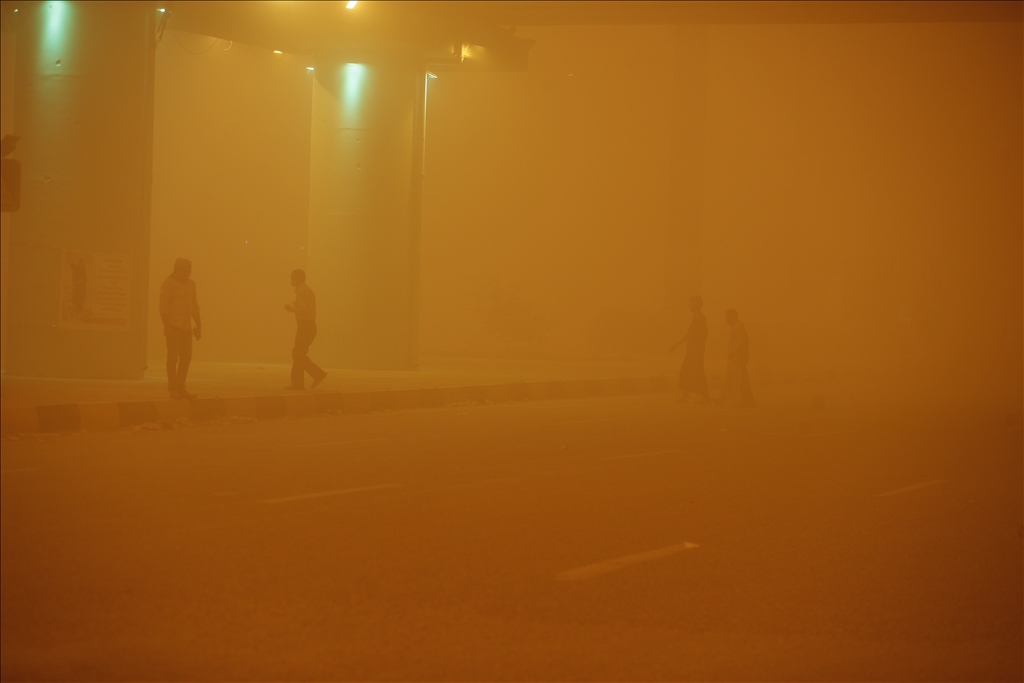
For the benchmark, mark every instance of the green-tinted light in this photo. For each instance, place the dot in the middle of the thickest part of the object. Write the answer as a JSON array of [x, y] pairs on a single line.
[[353, 81], [56, 23]]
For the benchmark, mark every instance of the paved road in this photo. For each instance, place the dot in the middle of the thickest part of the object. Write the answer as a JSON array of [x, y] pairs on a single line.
[[605, 539]]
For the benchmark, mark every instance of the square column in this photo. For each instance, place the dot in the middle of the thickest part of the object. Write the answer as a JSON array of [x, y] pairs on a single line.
[[366, 173], [79, 251]]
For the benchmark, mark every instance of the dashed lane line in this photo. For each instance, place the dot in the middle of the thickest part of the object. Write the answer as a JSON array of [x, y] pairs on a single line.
[[912, 487], [843, 431], [325, 494], [606, 566], [639, 455]]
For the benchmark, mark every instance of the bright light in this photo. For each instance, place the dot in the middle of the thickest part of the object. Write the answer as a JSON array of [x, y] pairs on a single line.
[[57, 21], [350, 4], [278, 52], [352, 80], [161, 10], [430, 75], [309, 68]]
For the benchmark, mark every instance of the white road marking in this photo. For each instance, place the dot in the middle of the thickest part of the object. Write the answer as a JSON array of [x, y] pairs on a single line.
[[638, 455], [912, 487], [324, 494], [343, 443], [844, 431], [598, 568], [20, 469]]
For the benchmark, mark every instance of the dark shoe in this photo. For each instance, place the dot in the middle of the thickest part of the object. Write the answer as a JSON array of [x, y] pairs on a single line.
[[292, 387], [183, 393], [317, 381], [175, 393]]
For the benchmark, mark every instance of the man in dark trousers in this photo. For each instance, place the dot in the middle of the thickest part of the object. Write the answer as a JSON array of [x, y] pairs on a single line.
[[737, 380], [691, 376], [178, 306], [304, 308]]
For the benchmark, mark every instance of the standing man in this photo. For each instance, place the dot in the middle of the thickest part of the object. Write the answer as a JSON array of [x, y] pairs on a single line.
[[305, 318], [178, 306], [737, 381], [691, 375]]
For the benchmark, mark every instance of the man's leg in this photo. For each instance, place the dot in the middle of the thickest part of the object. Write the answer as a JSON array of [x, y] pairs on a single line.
[[299, 351], [184, 357], [307, 363], [732, 381], [172, 362], [746, 395], [702, 380]]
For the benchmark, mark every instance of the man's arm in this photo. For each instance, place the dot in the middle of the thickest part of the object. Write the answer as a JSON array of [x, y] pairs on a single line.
[[678, 343]]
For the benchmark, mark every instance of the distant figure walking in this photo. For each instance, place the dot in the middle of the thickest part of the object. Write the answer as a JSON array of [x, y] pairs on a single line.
[[178, 306], [737, 381], [691, 375], [305, 318]]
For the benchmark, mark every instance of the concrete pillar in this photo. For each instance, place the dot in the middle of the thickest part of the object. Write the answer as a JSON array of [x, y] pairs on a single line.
[[686, 205], [79, 245], [366, 175]]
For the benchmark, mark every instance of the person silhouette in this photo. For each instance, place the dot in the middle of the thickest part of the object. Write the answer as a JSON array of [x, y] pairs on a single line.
[[737, 380], [178, 306], [304, 308], [691, 375]]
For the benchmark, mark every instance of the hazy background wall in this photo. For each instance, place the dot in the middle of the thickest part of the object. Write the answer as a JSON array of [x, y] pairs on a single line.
[[861, 208], [230, 190], [862, 199], [864, 196], [545, 198], [7, 45]]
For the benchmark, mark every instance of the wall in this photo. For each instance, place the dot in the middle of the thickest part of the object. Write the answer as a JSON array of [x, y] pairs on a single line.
[[546, 196], [861, 199], [7, 45]]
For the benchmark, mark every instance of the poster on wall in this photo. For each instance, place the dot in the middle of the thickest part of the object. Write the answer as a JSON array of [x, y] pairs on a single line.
[[94, 290]]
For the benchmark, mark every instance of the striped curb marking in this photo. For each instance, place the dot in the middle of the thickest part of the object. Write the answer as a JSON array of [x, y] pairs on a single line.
[[73, 417]]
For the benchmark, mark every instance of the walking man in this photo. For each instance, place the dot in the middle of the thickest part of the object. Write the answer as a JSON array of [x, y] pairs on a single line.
[[178, 306], [737, 381], [304, 308], [691, 375]]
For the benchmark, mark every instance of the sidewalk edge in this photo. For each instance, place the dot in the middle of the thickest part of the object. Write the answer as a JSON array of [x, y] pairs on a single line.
[[75, 417]]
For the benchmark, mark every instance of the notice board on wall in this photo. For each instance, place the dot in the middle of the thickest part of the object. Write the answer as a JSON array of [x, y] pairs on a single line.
[[95, 290]]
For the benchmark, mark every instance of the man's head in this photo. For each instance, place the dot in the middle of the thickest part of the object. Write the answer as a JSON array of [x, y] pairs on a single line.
[[298, 277], [696, 303], [182, 268], [730, 316]]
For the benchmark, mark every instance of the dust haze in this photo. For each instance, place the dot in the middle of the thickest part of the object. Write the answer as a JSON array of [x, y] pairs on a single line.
[[513, 341]]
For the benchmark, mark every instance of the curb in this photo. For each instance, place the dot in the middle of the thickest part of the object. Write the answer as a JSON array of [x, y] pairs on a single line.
[[74, 417]]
